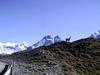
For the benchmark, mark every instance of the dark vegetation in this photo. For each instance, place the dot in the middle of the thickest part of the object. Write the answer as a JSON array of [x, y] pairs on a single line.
[[82, 57]]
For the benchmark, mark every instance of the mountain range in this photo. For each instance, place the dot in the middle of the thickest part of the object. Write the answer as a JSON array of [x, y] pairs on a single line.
[[53, 56], [9, 48]]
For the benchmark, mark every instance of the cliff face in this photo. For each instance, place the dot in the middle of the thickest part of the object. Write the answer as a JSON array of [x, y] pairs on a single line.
[[81, 57]]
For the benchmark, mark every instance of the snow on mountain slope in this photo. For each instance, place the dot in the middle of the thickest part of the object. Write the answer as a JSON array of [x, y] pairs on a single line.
[[46, 41], [95, 35], [57, 39], [9, 48]]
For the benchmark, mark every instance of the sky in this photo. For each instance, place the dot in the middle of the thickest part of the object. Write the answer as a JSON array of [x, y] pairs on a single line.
[[30, 20]]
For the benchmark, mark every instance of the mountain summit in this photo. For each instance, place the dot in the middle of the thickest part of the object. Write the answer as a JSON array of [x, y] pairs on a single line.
[[95, 35], [57, 39], [46, 41]]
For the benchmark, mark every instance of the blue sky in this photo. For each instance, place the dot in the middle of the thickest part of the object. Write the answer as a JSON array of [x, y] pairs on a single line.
[[30, 20]]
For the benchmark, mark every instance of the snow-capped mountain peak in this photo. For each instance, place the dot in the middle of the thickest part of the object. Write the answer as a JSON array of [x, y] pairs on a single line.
[[46, 41], [47, 37], [9, 48], [57, 39], [97, 32], [95, 35]]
